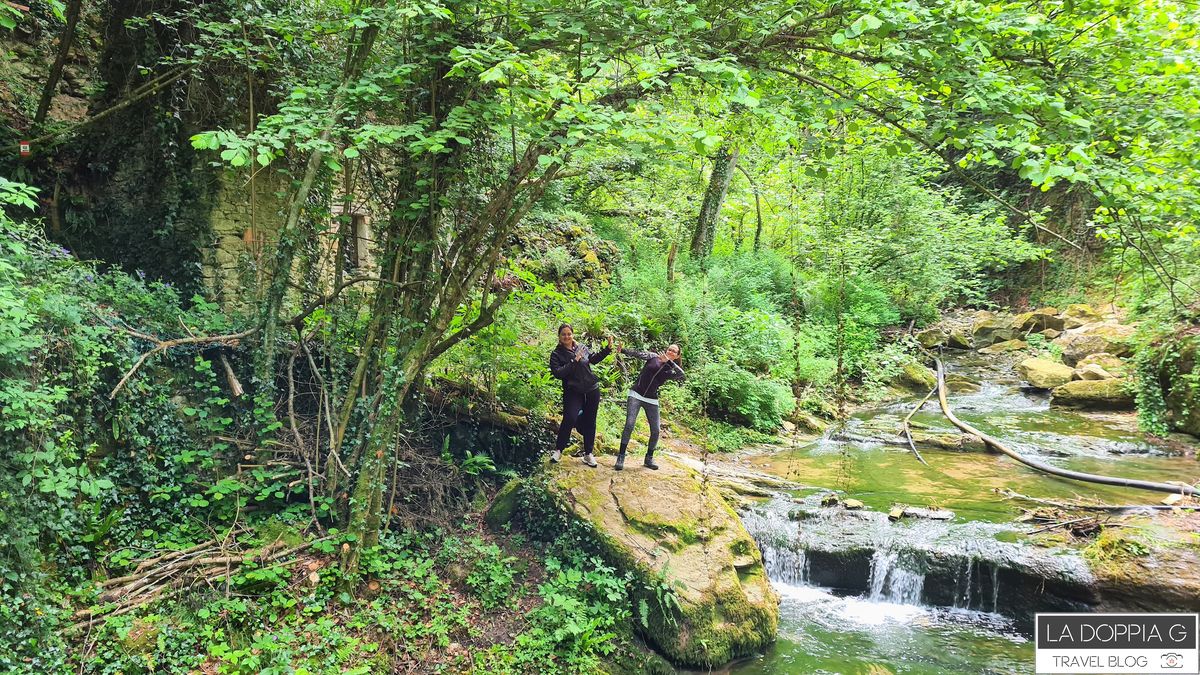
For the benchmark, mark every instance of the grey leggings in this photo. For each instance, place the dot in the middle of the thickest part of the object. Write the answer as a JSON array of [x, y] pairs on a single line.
[[632, 406]]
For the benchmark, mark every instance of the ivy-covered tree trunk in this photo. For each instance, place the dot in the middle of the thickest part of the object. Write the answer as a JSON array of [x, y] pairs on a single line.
[[703, 236]]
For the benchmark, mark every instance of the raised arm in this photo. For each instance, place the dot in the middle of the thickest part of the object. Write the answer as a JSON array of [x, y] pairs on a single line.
[[600, 355], [645, 356]]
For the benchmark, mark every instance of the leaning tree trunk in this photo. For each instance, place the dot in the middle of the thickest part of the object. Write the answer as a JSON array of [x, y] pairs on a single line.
[[60, 61], [718, 186]]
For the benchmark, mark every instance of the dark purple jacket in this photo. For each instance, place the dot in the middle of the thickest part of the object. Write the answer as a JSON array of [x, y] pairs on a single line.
[[577, 376], [655, 373]]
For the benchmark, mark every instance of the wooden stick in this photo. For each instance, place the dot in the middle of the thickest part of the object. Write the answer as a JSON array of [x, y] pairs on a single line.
[[908, 433]]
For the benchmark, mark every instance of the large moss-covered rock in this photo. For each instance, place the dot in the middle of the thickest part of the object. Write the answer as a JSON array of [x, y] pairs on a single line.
[[671, 525], [916, 377], [992, 329], [1108, 338], [1106, 361], [1078, 315], [1004, 347], [1044, 373], [1093, 395], [1038, 320]]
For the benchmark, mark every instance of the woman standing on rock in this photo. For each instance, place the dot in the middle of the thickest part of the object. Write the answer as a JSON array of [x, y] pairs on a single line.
[[659, 369], [572, 362]]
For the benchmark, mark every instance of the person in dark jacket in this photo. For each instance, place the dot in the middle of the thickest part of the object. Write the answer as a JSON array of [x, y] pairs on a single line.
[[572, 362], [658, 369]]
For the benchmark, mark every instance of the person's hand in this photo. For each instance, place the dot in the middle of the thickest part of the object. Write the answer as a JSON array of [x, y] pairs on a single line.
[[620, 348], [578, 353], [611, 341]]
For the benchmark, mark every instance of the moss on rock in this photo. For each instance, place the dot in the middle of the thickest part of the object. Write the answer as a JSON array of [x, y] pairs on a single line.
[[669, 528]]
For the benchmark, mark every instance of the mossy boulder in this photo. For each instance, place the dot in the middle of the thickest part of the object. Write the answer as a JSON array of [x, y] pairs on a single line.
[[503, 504], [1004, 347], [1078, 315], [671, 527], [1093, 395], [961, 384], [1044, 373], [992, 329], [1108, 338], [931, 337], [1038, 320], [1106, 361], [916, 377]]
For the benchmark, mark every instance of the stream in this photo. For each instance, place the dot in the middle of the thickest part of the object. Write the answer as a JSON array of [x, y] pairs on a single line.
[[862, 594]]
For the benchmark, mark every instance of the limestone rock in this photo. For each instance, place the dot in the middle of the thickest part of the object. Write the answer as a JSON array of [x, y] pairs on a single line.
[[1093, 395], [1038, 320], [989, 331], [961, 384], [671, 522], [931, 337], [1006, 346], [916, 377], [959, 338], [943, 440], [853, 504], [1085, 313], [1109, 338], [1105, 360], [1092, 371], [1044, 373], [1050, 333]]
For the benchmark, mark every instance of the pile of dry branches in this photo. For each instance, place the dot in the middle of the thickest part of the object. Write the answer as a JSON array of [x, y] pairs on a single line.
[[172, 573]]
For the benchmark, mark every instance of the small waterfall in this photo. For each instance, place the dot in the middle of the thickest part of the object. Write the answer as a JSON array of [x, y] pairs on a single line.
[[785, 565], [963, 601], [892, 582], [995, 587]]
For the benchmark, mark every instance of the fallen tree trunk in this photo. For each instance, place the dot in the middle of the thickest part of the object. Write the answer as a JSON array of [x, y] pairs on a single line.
[[1047, 468]]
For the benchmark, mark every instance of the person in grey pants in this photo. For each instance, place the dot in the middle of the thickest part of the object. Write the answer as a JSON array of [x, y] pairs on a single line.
[[658, 370]]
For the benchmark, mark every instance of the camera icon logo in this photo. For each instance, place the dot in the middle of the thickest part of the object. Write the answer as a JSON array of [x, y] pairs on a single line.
[[1172, 660]]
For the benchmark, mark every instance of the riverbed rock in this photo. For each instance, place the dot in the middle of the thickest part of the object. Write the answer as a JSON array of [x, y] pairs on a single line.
[[1050, 333], [950, 440], [961, 384], [1091, 371], [1038, 320], [1080, 314], [959, 338], [1093, 395], [1003, 347], [917, 378], [931, 337], [993, 329], [1105, 360], [1108, 338], [669, 522], [1044, 373]]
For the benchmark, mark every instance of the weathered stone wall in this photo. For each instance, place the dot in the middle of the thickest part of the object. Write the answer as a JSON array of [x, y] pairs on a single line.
[[246, 218]]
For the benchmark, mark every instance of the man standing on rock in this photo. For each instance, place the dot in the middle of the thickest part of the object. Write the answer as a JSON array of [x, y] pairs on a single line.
[[659, 369]]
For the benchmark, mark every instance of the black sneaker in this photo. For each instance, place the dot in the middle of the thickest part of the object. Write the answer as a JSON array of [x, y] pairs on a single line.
[[649, 463], [620, 465]]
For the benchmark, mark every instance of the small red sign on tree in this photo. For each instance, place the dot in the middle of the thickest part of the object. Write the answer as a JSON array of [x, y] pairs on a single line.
[[26, 148]]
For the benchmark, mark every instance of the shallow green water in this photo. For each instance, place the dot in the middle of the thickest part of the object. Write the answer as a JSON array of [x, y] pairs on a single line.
[[822, 632]]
